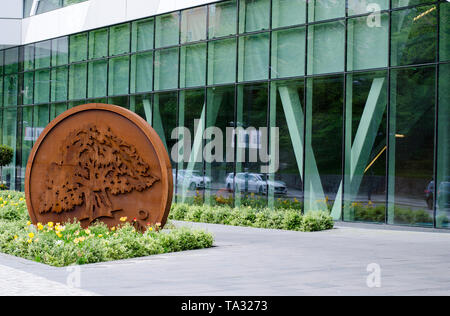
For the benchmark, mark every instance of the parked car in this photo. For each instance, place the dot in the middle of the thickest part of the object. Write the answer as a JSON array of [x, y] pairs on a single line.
[[443, 195], [429, 195], [254, 182], [192, 179]]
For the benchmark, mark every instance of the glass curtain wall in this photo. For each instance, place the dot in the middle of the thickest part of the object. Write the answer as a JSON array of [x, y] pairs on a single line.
[[332, 105]]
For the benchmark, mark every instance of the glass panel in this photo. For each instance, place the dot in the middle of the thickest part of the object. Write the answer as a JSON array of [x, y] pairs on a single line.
[[222, 61], [42, 86], [119, 101], [414, 36], [193, 24], [48, 5], [119, 39], [60, 51], [323, 158], [193, 65], [405, 3], [78, 47], [73, 104], [97, 78], [222, 19], [11, 60], [326, 48], [167, 30], [1, 93], [219, 157], [57, 109], [251, 116], [190, 180], [42, 54], [9, 139], [325, 9], [1, 62], [28, 133], [166, 69], [142, 35], [119, 75], [254, 57], [287, 114], [411, 151], [142, 72], [288, 53], [10, 90], [28, 57], [365, 147], [365, 6], [288, 12], [368, 43], [254, 15], [40, 118], [27, 4], [28, 87], [142, 105], [77, 81], [98, 44], [444, 31], [59, 84], [443, 158]]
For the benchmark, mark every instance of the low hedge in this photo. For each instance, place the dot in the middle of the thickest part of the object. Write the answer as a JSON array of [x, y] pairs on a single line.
[[59, 245], [289, 219]]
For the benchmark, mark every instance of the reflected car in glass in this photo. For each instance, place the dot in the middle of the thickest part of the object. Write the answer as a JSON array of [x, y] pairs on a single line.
[[254, 182], [191, 179]]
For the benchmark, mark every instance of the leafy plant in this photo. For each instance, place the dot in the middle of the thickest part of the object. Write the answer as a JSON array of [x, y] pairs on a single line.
[[6, 156]]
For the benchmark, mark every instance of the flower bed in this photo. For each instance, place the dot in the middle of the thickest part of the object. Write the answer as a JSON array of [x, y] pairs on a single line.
[[61, 245], [287, 219]]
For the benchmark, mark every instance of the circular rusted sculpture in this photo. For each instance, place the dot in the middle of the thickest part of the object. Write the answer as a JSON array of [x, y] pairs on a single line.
[[99, 162]]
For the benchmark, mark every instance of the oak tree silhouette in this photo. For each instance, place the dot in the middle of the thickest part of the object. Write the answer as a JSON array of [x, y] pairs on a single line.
[[94, 163]]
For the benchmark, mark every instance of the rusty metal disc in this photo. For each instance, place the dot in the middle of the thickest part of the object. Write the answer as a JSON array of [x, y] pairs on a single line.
[[99, 162]]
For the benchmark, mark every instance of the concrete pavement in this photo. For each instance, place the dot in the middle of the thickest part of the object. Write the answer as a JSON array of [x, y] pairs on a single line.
[[248, 261]]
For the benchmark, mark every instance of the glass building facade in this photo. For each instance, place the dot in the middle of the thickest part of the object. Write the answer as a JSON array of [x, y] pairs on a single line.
[[33, 7], [359, 92]]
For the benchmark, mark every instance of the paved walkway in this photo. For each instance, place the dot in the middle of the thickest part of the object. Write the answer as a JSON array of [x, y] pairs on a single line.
[[249, 261]]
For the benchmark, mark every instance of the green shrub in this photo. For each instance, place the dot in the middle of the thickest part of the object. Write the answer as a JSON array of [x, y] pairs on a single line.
[[316, 221]]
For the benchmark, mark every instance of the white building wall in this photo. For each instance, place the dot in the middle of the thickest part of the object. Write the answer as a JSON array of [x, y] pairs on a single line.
[[93, 14], [11, 13]]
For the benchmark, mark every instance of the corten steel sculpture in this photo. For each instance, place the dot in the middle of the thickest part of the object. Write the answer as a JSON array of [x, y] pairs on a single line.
[[99, 162]]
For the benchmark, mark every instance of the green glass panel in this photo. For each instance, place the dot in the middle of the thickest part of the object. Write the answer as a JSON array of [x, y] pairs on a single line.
[[98, 43], [97, 78], [10, 90], [60, 51], [42, 54], [119, 39], [411, 146], [78, 47], [59, 84], [167, 30], [405, 3], [28, 133], [222, 19], [143, 35], [368, 44], [319, 10], [119, 101], [1, 92], [251, 112], [119, 75], [444, 31], [10, 139], [254, 15], [326, 48], [11, 60], [285, 186], [254, 57], [1, 62], [28, 87], [193, 66], [443, 157], [142, 72], [288, 12], [323, 139], [40, 118], [142, 105], [222, 61], [193, 25], [365, 147], [166, 69], [77, 81], [48, 5], [42, 86], [414, 36], [57, 109], [288, 53], [362, 7], [28, 57]]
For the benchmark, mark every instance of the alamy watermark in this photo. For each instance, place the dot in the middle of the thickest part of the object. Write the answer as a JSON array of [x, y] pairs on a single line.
[[373, 280]]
